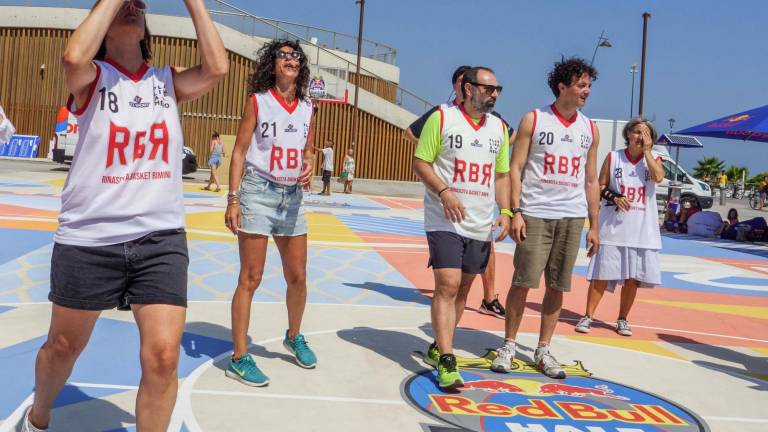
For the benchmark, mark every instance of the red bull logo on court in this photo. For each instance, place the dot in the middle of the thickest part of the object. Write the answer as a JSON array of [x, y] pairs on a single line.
[[531, 402]]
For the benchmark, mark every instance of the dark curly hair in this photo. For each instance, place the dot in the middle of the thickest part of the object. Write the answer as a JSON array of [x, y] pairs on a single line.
[[568, 69], [145, 44], [263, 77]]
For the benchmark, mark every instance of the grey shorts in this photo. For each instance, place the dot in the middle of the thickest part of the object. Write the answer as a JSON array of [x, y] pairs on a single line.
[[327, 176], [451, 250], [551, 246], [149, 270], [270, 208]]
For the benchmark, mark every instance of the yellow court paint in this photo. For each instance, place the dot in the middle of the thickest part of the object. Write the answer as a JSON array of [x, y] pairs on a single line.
[[327, 227], [762, 351], [739, 310], [630, 344], [59, 182]]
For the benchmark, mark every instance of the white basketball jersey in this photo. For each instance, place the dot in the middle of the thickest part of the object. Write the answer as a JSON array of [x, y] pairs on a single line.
[[553, 177], [125, 179], [277, 144], [467, 164], [639, 226]]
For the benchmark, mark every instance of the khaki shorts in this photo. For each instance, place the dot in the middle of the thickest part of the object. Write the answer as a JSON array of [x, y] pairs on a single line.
[[551, 245]]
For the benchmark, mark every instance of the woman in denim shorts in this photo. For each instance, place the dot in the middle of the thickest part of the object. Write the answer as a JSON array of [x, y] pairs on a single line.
[[271, 162], [121, 241]]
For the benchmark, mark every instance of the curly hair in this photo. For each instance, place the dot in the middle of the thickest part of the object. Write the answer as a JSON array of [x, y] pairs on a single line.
[[568, 69], [263, 76]]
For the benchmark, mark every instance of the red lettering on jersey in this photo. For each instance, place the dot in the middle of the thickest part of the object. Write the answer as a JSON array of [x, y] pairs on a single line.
[[458, 169], [276, 158], [549, 163], [119, 138], [631, 194], [158, 141], [575, 164], [641, 194], [562, 165], [138, 145], [474, 172], [487, 168], [293, 158]]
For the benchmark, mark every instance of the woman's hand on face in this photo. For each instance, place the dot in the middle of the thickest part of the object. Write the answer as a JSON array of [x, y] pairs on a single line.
[[647, 141]]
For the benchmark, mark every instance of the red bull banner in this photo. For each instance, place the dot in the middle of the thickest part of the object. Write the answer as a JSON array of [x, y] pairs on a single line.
[[530, 402]]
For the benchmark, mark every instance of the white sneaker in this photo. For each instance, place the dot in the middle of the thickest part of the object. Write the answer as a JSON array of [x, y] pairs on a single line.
[[583, 326], [25, 425], [547, 363], [504, 357], [623, 328]]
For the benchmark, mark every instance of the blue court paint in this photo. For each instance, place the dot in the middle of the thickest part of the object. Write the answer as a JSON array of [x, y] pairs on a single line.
[[20, 242], [11, 183], [668, 280], [35, 202], [4, 309], [110, 358], [384, 225]]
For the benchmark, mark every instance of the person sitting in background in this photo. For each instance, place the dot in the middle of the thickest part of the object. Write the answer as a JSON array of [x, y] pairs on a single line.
[[704, 223], [727, 229], [6, 127], [679, 222], [763, 189]]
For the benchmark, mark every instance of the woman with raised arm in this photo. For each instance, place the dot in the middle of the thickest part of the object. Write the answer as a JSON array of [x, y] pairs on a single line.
[[121, 241], [271, 161]]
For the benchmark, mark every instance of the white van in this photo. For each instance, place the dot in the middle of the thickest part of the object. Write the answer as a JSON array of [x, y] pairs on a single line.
[[65, 138], [693, 190]]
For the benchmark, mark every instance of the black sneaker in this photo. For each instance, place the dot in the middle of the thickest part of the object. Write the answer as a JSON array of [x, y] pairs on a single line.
[[493, 308]]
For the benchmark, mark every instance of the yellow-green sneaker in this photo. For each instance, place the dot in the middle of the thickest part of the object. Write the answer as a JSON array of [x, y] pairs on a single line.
[[448, 376], [433, 355]]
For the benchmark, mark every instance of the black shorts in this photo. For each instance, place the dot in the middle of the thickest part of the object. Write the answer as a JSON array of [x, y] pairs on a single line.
[[451, 250], [148, 270], [326, 176]]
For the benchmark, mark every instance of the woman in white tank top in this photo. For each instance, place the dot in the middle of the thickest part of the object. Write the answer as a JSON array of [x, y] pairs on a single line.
[[121, 241], [272, 160], [629, 224]]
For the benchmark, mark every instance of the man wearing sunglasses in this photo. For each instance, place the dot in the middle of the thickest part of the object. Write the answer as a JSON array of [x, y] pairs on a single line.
[[462, 158], [490, 304], [554, 187]]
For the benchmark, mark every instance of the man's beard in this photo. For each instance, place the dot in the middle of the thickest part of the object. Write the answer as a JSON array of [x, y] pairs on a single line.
[[484, 107]]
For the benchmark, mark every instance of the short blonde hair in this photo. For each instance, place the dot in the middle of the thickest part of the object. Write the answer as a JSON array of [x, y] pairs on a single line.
[[636, 121]]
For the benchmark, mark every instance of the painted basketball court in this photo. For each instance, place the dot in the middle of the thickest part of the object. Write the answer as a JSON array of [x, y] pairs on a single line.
[[697, 361]]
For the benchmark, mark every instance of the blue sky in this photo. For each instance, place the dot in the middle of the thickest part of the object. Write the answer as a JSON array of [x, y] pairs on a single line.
[[706, 59]]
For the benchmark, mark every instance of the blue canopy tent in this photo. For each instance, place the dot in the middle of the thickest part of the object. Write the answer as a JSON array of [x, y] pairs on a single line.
[[749, 125]]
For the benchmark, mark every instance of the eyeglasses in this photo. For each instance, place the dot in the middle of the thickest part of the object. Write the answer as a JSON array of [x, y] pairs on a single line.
[[487, 88], [295, 55]]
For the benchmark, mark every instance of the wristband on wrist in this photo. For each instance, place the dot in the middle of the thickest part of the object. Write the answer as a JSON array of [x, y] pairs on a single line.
[[507, 212], [441, 191]]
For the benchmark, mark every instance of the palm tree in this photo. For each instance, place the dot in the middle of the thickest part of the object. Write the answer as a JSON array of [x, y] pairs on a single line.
[[709, 167], [734, 173]]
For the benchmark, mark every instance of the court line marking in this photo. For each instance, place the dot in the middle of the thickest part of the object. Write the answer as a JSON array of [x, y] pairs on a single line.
[[422, 307], [736, 419], [301, 397]]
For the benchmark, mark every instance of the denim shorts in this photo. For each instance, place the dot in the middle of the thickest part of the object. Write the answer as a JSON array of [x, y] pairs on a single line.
[[149, 270], [270, 208]]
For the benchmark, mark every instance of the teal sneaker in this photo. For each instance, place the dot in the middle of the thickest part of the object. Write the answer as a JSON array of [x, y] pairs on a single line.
[[246, 371], [299, 348], [433, 355]]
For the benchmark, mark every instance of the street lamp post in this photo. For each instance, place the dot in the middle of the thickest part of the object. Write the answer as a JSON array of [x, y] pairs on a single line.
[[602, 41], [671, 124], [633, 71], [356, 112]]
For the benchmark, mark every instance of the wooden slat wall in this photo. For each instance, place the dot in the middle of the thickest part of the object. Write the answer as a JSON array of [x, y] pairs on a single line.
[[32, 101], [383, 89]]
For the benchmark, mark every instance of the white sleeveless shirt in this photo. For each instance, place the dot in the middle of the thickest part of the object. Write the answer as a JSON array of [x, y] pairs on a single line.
[[125, 179], [277, 144], [639, 226], [553, 177], [467, 164]]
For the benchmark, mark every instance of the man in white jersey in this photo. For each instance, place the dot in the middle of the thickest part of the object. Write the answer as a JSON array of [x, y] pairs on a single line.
[[554, 187], [490, 304], [462, 158], [121, 241], [327, 166]]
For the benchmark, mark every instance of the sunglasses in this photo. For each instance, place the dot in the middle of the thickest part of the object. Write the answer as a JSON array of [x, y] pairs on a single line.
[[137, 4], [487, 88], [295, 55]]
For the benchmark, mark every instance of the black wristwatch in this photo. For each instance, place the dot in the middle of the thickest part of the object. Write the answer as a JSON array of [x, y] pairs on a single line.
[[516, 210]]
